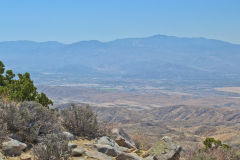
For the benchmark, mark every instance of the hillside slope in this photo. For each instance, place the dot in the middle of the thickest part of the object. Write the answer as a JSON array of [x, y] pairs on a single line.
[[187, 124]]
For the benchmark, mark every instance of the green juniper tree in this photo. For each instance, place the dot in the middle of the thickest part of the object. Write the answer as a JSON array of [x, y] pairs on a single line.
[[21, 88], [2, 68]]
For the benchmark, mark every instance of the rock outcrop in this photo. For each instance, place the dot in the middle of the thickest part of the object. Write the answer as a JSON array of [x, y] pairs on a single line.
[[122, 138], [97, 155], [72, 145], [13, 147], [108, 146], [108, 141], [25, 157], [1, 156], [104, 148], [79, 151], [128, 156], [165, 149], [69, 136]]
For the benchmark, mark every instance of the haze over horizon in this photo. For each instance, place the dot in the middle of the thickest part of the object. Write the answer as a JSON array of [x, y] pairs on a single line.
[[72, 21], [107, 41], [196, 60]]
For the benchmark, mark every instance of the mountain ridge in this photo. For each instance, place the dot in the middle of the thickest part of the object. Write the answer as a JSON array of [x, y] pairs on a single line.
[[154, 57], [117, 39]]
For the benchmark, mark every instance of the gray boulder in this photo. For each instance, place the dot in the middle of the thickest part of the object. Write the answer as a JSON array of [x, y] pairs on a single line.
[[165, 149], [111, 148], [16, 137], [123, 149], [128, 156], [122, 138], [108, 146], [25, 157], [97, 155], [13, 147], [106, 149], [2, 157], [72, 145], [106, 141], [69, 136], [150, 158], [79, 151]]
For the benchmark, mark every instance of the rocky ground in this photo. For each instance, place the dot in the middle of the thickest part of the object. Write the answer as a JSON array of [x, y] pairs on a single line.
[[119, 147]]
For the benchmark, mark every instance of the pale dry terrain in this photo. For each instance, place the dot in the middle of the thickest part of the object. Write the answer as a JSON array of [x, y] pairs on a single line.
[[154, 113], [138, 99], [229, 89]]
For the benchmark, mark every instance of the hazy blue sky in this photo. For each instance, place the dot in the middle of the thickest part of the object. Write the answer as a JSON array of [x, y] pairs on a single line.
[[73, 20]]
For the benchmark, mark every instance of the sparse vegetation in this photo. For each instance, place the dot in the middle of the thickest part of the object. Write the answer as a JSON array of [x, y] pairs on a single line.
[[81, 121], [32, 122], [40, 127], [141, 141], [29, 121], [25, 120], [3, 128], [211, 143], [52, 147], [25, 116], [20, 89], [213, 150], [215, 154]]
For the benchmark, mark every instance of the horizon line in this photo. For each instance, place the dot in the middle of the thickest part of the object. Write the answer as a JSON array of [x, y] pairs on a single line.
[[101, 41]]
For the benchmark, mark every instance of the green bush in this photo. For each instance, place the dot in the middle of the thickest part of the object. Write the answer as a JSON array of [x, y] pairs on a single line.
[[210, 143], [81, 121], [20, 89]]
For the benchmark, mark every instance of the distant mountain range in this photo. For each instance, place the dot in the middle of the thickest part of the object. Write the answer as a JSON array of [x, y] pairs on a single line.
[[155, 57]]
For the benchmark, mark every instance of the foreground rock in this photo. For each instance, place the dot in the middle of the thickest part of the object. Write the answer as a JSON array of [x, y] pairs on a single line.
[[72, 145], [110, 147], [122, 138], [106, 149], [13, 147], [79, 151], [128, 156], [97, 155], [165, 149], [1, 156], [25, 157], [69, 136], [108, 141]]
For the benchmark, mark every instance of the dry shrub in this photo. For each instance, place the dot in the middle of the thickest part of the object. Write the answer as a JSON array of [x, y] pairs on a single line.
[[29, 121], [3, 133], [3, 128], [190, 151], [141, 140], [53, 147], [213, 154], [81, 121]]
